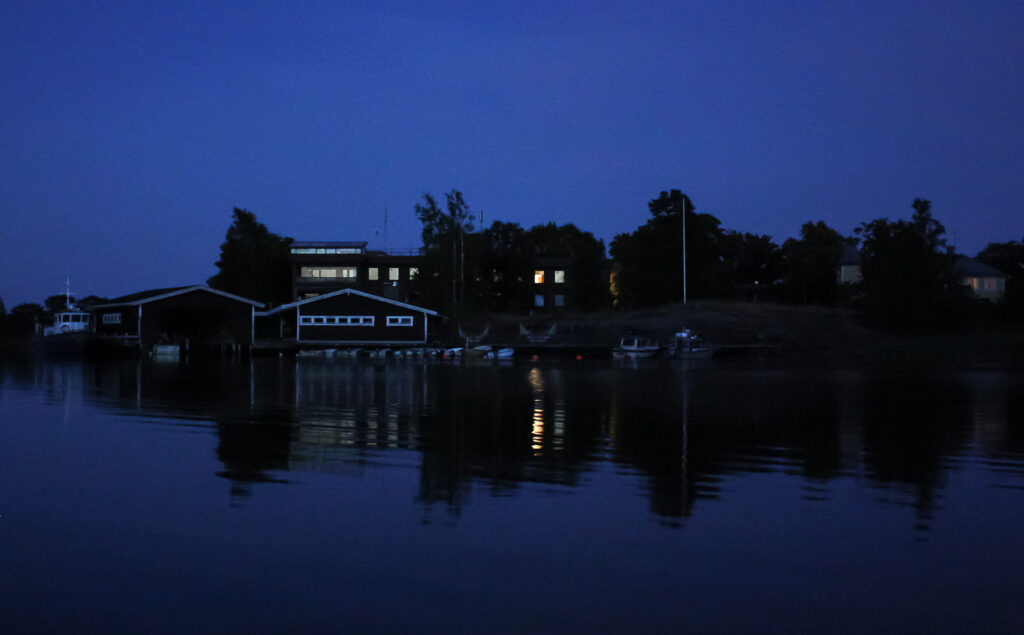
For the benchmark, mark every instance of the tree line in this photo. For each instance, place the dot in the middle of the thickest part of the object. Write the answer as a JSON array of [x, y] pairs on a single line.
[[908, 272]]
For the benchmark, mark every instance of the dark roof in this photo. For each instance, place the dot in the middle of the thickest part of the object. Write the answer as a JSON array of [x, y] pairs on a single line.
[[970, 267], [349, 291], [850, 256], [350, 244], [143, 297]]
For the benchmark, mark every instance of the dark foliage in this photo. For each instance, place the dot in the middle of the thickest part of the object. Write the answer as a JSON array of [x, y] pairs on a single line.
[[909, 280], [253, 261], [810, 263], [651, 257], [20, 323]]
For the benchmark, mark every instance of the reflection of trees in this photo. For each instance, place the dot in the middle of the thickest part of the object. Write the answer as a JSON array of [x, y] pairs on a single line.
[[912, 425], [680, 431]]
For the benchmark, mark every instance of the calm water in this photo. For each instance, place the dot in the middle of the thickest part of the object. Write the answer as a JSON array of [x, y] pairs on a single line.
[[285, 496]]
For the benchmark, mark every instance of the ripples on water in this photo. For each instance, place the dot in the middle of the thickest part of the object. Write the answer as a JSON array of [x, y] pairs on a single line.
[[774, 497]]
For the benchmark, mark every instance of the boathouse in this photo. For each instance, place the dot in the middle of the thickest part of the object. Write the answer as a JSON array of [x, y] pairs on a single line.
[[196, 314], [349, 317]]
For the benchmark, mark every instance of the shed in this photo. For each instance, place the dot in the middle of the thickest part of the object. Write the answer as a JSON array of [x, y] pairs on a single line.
[[352, 317], [197, 313]]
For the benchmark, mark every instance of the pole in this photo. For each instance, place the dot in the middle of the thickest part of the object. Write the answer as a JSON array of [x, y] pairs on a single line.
[[684, 249]]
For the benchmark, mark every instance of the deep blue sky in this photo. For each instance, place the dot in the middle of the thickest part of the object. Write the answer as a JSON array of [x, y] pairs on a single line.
[[130, 130]]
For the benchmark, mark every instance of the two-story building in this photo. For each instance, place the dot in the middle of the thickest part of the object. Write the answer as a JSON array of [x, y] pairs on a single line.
[[321, 267]]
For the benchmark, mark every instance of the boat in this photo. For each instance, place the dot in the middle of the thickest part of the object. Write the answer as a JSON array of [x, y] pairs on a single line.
[[686, 345], [69, 321], [636, 347]]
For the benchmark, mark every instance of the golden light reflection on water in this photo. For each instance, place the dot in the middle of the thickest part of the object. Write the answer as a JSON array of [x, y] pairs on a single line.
[[536, 380]]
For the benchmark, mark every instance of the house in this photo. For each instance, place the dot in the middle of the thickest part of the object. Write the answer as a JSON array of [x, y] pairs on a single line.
[[849, 266], [194, 313], [550, 283], [984, 281], [349, 317], [322, 267]]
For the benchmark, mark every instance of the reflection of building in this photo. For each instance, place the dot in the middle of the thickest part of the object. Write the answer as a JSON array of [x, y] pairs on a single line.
[[320, 267]]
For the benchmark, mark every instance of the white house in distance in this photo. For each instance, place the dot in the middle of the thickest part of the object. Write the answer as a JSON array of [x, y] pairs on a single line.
[[985, 282]]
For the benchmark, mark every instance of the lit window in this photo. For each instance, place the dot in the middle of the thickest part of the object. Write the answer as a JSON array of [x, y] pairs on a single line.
[[538, 277], [538, 300], [399, 320], [973, 282], [393, 273], [990, 284], [337, 320], [348, 272], [112, 318], [414, 272], [372, 274], [559, 299], [559, 276]]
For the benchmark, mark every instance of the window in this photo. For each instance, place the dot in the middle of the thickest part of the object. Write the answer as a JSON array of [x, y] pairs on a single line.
[[559, 299], [414, 272], [399, 320], [372, 273], [327, 250], [559, 276], [393, 273], [328, 272], [111, 318], [538, 300], [990, 284], [337, 320], [973, 282], [538, 276]]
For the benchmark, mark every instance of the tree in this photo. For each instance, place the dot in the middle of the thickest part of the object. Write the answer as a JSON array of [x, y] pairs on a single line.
[[20, 323], [753, 259], [57, 303], [1009, 258], [810, 264], [651, 257], [254, 261], [909, 281], [444, 236]]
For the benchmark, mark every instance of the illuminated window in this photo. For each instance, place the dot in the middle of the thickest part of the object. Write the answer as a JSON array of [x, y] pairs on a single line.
[[372, 273], [973, 282], [538, 276], [111, 318], [399, 320], [559, 276], [337, 320], [990, 284], [414, 272], [328, 272], [393, 273], [538, 300], [559, 299]]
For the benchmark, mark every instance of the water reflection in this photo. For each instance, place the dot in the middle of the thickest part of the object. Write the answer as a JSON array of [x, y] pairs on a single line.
[[683, 435]]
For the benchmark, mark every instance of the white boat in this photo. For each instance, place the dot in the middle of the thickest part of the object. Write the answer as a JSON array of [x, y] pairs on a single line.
[[636, 347], [686, 345], [69, 321]]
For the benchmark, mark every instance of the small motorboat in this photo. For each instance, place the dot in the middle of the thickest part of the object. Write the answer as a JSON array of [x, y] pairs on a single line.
[[686, 345], [636, 347]]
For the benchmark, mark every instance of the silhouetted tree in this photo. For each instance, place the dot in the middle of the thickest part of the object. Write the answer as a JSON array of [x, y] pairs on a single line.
[[651, 257], [57, 303], [20, 323], [909, 282], [442, 278], [1009, 258], [810, 264], [254, 261], [752, 258]]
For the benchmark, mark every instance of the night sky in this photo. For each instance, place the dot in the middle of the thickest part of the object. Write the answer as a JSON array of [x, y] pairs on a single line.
[[131, 130]]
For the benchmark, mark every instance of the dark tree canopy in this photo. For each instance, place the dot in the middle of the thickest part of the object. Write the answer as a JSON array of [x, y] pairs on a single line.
[[20, 323], [443, 275], [254, 261], [752, 258], [650, 259], [908, 277], [810, 264]]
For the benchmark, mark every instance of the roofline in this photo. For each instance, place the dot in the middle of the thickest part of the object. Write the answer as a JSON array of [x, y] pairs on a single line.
[[170, 294], [332, 294]]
